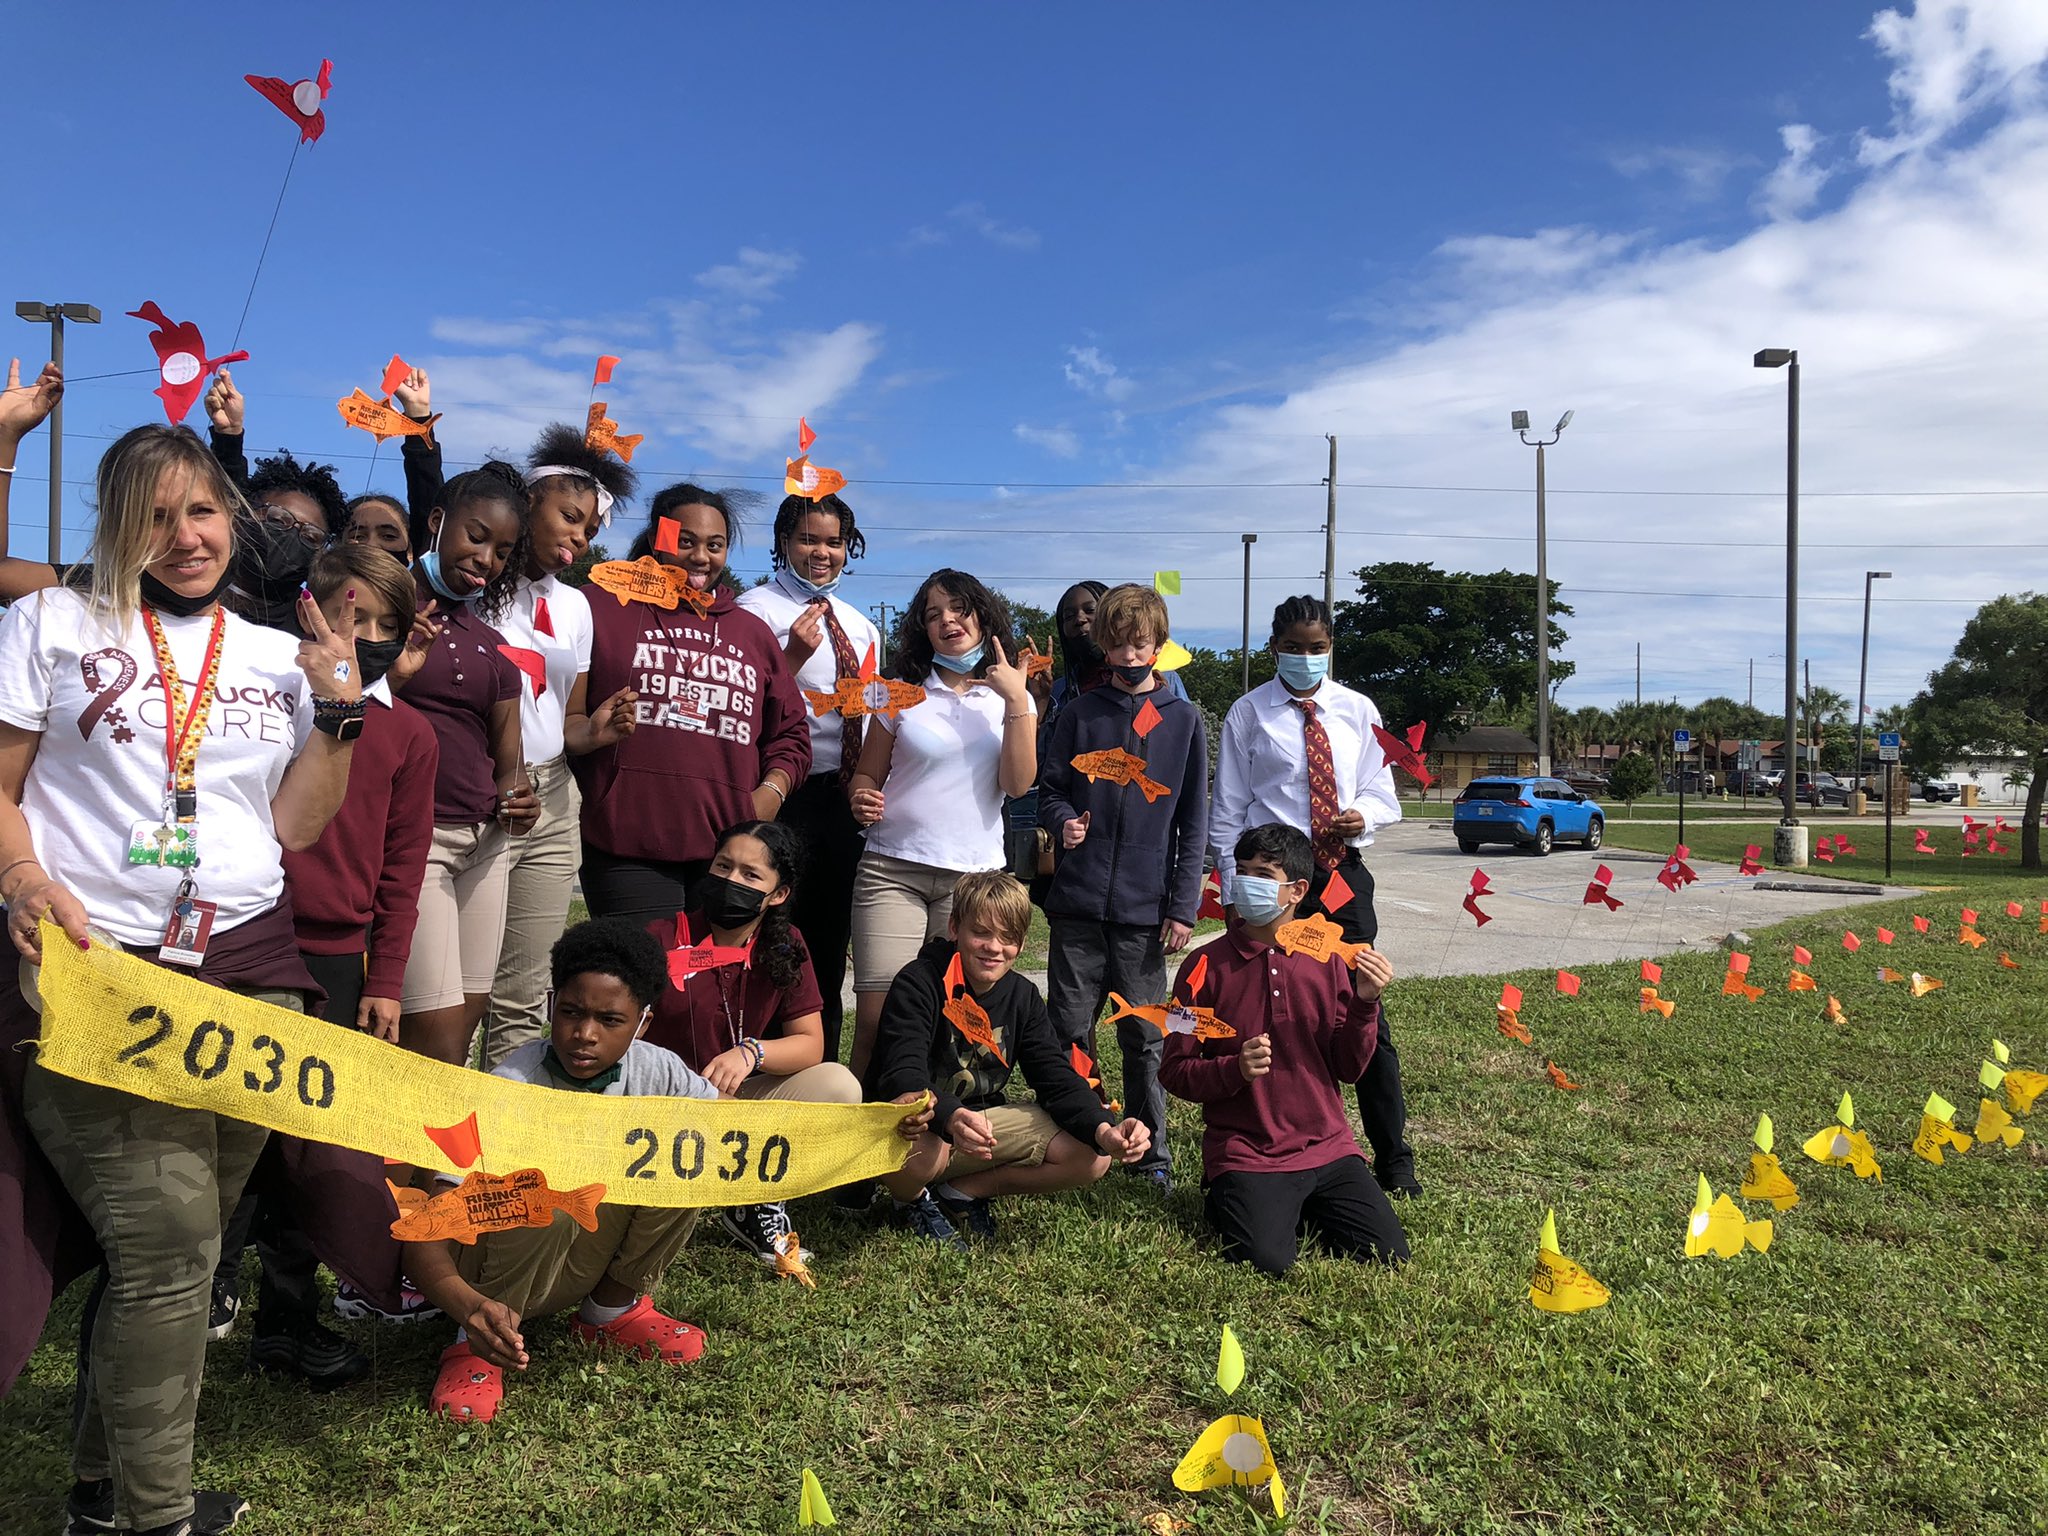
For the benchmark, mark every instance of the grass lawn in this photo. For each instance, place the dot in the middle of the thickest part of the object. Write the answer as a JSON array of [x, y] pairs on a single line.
[[1879, 1370], [1945, 868]]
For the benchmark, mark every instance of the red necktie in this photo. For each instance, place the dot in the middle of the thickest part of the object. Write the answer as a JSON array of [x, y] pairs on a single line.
[[1322, 788], [847, 665]]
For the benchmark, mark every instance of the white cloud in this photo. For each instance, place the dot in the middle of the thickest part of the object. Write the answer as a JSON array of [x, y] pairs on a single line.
[[468, 331], [1699, 173], [1796, 180], [1060, 442], [1093, 374], [1952, 59], [973, 219], [1549, 253], [753, 276]]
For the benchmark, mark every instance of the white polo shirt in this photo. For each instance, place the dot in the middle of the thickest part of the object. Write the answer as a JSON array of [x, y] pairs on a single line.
[[943, 802], [565, 654], [778, 602]]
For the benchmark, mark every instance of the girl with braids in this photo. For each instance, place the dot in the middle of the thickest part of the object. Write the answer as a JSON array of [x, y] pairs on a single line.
[[824, 638], [931, 781], [571, 490], [719, 730], [455, 672], [1300, 751], [750, 1020]]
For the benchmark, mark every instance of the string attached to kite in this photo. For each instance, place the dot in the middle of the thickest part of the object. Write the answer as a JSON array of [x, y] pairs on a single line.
[[276, 208], [82, 378]]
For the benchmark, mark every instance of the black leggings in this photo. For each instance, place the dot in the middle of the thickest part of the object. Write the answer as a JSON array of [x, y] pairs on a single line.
[[644, 890]]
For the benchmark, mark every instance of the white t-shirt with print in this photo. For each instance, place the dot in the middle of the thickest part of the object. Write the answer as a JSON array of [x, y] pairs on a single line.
[[565, 655], [943, 802], [96, 699]]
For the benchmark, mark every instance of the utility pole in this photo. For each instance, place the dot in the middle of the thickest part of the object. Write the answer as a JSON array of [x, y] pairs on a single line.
[[1639, 671], [1519, 421], [1330, 537], [1246, 650], [1751, 701], [1813, 735], [1863, 668], [882, 611], [1788, 848], [54, 315]]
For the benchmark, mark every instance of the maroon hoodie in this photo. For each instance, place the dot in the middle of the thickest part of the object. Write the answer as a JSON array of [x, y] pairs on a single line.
[[718, 709]]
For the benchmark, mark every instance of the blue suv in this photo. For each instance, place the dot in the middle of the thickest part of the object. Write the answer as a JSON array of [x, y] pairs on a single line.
[[1532, 812]]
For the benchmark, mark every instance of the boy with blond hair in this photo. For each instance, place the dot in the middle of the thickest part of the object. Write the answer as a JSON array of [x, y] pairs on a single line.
[[957, 1021], [1127, 878]]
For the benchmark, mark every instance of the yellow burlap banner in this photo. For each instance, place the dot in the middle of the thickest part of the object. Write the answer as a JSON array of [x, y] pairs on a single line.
[[112, 1019]]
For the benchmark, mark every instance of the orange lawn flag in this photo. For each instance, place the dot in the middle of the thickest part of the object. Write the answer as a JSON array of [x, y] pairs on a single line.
[[377, 418], [484, 1202], [1851, 943], [2014, 909], [1508, 1014], [1318, 938], [1120, 767], [1921, 925], [867, 693], [967, 1015], [602, 373], [1801, 955], [1652, 972], [804, 435], [461, 1141], [396, 372], [1568, 983], [601, 434], [1885, 936]]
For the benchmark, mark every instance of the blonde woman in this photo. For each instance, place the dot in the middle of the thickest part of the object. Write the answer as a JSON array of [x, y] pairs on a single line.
[[141, 726]]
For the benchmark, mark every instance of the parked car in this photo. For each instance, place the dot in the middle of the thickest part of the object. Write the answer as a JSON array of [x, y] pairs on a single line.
[[1585, 783], [1693, 783], [1934, 791], [1822, 789], [1534, 813], [1753, 781]]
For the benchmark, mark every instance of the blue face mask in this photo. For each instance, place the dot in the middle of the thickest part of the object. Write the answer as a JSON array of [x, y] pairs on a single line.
[[430, 567], [810, 589], [1256, 898], [963, 663], [1302, 673]]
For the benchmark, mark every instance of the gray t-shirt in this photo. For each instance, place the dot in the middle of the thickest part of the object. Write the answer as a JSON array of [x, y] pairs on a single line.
[[647, 1070]]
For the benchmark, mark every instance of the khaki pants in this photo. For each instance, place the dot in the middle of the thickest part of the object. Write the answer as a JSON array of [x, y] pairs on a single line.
[[539, 1270], [826, 1083], [1023, 1133], [157, 1184], [539, 883], [898, 907], [462, 917]]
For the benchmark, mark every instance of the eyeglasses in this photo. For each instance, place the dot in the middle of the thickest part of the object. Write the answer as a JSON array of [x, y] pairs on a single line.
[[274, 516]]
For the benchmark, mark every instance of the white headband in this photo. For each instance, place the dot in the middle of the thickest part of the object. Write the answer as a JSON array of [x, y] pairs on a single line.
[[604, 497]]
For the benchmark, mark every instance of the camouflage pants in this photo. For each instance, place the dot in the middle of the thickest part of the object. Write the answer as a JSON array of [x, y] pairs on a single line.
[[156, 1184]]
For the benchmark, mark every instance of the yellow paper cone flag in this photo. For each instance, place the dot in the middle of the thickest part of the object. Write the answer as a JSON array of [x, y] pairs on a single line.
[[1557, 1284], [1229, 1363], [1172, 657], [1166, 583], [1766, 1135], [1232, 1452], [813, 1509]]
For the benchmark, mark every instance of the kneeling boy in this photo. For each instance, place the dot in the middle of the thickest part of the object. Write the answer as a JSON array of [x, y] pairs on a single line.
[[607, 976], [956, 1021], [1278, 1155]]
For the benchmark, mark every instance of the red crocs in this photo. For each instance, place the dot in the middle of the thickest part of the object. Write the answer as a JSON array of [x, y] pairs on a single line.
[[644, 1332], [469, 1387]]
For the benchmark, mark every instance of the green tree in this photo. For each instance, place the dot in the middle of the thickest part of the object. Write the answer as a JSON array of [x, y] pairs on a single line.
[[1444, 646], [1634, 776], [578, 575], [1991, 699], [1215, 679]]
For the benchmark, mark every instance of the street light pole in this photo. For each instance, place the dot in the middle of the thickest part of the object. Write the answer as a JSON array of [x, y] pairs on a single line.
[[1330, 536], [54, 316], [1788, 359], [1519, 420], [1863, 668], [1249, 540]]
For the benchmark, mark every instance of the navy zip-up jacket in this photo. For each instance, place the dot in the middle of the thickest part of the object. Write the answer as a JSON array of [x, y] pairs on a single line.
[[1141, 862]]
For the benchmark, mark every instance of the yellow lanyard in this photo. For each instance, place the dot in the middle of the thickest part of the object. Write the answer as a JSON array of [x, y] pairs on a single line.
[[185, 724]]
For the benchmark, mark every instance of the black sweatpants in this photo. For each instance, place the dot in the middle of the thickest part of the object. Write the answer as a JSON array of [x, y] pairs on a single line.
[[1262, 1217], [822, 908], [1382, 1108], [1085, 962]]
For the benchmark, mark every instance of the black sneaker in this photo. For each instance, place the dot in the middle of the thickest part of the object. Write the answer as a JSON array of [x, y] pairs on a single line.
[[1399, 1180], [857, 1196], [90, 1510], [760, 1229], [967, 1213], [299, 1346], [924, 1217], [221, 1315]]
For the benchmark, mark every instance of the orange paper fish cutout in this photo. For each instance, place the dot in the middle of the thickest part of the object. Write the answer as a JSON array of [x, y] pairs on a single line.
[[1173, 1018], [868, 693], [967, 1015], [644, 580], [1971, 937], [687, 959], [1032, 659], [800, 477], [380, 420], [1799, 981], [484, 1202], [1558, 1078], [601, 434], [1833, 1014], [1652, 1003], [1120, 767], [1318, 938], [1509, 1023], [1732, 985], [1922, 985]]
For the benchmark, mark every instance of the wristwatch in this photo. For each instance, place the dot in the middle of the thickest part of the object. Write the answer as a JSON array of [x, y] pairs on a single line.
[[342, 721]]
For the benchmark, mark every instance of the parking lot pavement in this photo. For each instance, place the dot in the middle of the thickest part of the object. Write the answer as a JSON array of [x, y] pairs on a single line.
[[1539, 915]]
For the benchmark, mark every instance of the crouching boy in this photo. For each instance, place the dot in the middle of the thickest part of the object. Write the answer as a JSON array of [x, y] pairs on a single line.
[[957, 1020], [607, 976], [1279, 1159]]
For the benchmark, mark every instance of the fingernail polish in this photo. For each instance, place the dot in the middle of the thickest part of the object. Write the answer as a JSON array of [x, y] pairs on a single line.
[[351, 594], [306, 592]]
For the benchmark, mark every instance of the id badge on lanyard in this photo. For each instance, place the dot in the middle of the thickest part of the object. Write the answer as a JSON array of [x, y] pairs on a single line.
[[173, 841]]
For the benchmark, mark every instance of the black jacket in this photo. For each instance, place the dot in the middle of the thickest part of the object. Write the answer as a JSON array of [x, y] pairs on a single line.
[[1142, 860], [917, 1047]]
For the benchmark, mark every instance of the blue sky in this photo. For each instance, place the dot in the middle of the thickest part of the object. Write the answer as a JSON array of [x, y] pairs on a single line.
[[1021, 254]]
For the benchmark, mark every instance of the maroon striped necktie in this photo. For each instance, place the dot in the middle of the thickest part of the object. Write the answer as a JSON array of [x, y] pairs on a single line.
[[1322, 788]]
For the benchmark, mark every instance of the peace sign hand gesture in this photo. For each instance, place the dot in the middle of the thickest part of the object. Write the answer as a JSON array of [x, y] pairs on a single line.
[[328, 656]]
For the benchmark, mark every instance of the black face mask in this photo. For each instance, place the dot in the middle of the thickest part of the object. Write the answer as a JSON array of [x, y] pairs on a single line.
[[726, 903], [1132, 675], [178, 606], [1083, 654], [270, 565], [375, 658]]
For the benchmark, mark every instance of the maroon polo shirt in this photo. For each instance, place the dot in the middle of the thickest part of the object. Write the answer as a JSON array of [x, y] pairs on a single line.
[[1323, 1035], [464, 676], [714, 1010]]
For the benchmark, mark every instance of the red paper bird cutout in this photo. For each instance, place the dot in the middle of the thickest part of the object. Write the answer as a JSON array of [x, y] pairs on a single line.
[[1824, 849], [300, 100], [461, 1141], [1596, 890], [967, 1015], [181, 359], [687, 959], [532, 663], [1920, 843], [1844, 849], [1406, 754], [602, 374], [395, 373], [1146, 718], [1752, 860], [1676, 872], [1479, 888]]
